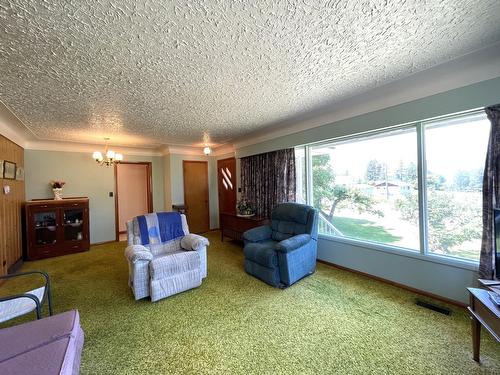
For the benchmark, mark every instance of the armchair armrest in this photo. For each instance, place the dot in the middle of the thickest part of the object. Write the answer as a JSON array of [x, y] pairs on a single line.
[[293, 243], [136, 253], [193, 242], [257, 234]]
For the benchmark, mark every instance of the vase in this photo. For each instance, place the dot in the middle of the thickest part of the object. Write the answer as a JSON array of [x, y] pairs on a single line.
[[57, 194]]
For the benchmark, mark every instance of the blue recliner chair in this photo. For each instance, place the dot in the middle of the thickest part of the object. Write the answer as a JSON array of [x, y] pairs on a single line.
[[285, 251]]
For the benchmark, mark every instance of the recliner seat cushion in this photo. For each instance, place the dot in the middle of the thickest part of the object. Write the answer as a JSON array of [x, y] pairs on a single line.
[[165, 266], [263, 253], [283, 230]]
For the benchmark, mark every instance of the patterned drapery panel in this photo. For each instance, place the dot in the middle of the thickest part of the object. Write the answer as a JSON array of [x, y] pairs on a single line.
[[491, 194], [268, 179]]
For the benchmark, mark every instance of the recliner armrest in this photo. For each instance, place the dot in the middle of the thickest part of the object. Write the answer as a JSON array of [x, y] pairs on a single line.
[[293, 243], [257, 234], [135, 253], [193, 242]]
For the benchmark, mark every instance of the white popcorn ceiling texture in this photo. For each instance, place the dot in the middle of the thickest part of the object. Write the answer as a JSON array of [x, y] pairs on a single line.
[[156, 72]]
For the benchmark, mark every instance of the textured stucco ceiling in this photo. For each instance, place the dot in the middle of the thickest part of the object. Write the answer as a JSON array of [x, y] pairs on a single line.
[[164, 72]]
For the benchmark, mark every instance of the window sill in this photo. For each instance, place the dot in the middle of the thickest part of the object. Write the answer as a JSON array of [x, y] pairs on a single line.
[[434, 258]]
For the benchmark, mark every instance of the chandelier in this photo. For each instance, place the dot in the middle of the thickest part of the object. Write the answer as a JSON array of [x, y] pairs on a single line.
[[110, 157]]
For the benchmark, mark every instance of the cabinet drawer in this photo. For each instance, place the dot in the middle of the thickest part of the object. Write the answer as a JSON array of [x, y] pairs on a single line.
[[69, 247], [40, 253]]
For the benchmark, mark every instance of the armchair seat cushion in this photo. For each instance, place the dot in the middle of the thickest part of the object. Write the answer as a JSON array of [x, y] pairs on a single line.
[[164, 266], [283, 230], [263, 253]]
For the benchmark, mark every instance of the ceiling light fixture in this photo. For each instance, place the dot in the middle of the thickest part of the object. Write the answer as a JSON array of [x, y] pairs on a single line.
[[110, 157], [206, 141]]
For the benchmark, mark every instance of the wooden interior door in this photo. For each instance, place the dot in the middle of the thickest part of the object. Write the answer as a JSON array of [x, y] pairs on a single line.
[[196, 195], [133, 192], [226, 182]]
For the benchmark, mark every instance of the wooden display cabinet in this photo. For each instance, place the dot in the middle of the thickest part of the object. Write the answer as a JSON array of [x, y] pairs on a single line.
[[56, 227]]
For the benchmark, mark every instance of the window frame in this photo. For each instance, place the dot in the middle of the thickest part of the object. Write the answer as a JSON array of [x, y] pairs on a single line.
[[423, 253]]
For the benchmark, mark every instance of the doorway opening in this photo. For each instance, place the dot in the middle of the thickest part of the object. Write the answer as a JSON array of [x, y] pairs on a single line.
[[133, 194]]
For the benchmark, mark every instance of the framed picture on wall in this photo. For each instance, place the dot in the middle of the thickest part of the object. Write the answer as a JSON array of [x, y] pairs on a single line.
[[9, 170], [20, 173]]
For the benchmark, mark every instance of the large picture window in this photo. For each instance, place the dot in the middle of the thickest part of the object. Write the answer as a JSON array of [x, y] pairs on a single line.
[[358, 184], [417, 188]]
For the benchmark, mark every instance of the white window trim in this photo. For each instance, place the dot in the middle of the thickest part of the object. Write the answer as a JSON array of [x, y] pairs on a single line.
[[423, 253]]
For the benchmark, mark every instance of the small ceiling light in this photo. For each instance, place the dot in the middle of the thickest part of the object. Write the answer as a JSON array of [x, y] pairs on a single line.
[[111, 156], [207, 150]]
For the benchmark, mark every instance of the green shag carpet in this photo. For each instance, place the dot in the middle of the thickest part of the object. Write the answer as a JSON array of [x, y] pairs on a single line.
[[331, 322]]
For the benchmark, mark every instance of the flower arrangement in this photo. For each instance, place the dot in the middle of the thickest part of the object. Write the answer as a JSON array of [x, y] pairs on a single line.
[[56, 184], [244, 207]]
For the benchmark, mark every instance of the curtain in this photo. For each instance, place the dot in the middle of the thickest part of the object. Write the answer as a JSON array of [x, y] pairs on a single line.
[[268, 179], [491, 194]]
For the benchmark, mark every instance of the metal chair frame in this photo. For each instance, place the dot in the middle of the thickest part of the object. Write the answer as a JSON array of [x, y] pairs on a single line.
[[46, 293]]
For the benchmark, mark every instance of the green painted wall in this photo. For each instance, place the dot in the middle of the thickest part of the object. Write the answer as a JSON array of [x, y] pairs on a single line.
[[446, 280], [84, 178]]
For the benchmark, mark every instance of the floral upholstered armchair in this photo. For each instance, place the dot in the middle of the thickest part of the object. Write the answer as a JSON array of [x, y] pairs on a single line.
[[163, 257]]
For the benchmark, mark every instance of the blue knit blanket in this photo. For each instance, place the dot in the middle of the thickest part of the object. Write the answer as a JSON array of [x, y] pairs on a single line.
[[159, 227]]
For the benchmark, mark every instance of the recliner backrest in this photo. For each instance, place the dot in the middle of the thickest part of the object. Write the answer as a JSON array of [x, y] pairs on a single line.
[[134, 237], [291, 219]]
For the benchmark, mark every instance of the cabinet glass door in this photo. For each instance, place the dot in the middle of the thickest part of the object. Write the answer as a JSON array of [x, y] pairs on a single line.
[[45, 228], [73, 224]]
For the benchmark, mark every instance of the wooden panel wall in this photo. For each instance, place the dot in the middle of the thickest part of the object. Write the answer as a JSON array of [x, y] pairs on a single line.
[[10, 208]]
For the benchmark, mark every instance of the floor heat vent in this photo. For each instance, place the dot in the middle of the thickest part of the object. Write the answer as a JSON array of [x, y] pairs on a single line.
[[430, 306]]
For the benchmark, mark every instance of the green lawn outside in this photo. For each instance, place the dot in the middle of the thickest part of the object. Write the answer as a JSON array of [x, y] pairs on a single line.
[[368, 230], [363, 229]]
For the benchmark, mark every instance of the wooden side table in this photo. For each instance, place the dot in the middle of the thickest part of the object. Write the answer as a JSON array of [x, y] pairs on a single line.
[[233, 226], [484, 313]]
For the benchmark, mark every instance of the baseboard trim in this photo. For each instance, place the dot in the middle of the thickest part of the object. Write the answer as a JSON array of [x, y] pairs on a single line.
[[103, 243], [393, 283], [16, 266]]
